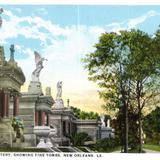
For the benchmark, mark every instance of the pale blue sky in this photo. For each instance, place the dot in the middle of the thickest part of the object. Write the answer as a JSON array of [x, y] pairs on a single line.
[[64, 34], [89, 15]]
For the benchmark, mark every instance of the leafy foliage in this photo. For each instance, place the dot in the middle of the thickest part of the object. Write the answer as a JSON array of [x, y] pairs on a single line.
[[126, 66], [18, 127], [17, 123], [78, 139], [106, 145], [84, 115], [133, 129], [151, 126]]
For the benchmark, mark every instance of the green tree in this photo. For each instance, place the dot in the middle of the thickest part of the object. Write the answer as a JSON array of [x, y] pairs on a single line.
[[143, 72], [107, 67], [84, 115], [126, 66], [151, 126]]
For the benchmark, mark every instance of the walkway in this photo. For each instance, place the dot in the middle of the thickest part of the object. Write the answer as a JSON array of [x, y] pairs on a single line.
[[146, 150]]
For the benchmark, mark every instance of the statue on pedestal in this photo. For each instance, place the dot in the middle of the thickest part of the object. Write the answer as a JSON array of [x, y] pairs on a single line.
[[35, 84], [102, 120], [59, 101], [39, 66], [59, 90]]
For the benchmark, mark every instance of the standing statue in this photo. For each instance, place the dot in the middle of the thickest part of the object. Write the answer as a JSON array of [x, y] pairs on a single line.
[[39, 66], [102, 120], [59, 90]]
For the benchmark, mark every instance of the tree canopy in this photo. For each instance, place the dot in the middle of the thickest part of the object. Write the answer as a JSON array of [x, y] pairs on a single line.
[[84, 115], [127, 66]]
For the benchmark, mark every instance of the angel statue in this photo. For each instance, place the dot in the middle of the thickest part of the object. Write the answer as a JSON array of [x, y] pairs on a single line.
[[39, 66], [59, 90]]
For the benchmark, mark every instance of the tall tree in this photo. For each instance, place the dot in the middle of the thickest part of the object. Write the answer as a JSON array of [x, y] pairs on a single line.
[[143, 73], [126, 65], [107, 66]]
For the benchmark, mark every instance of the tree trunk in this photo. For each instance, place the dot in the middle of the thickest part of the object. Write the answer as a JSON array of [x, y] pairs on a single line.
[[140, 131], [125, 106], [125, 122], [139, 116], [126, 130]]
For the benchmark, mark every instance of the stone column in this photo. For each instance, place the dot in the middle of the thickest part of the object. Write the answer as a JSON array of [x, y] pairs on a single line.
[[67, 127], [42, 118], [15, 105], [70, 127], [48, 120], [8, 100], [36, 118], [5, 103], [1, 103]]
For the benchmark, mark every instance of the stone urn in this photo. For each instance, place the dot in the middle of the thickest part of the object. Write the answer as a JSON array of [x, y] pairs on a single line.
[[53, 133], [42, 132]]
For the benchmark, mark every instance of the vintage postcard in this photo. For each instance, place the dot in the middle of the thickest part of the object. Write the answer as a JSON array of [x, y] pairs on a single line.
[[79, 81]]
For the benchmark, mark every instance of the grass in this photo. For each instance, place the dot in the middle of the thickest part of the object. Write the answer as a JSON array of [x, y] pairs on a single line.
[[116, 149], [107, 150], [152, 147]]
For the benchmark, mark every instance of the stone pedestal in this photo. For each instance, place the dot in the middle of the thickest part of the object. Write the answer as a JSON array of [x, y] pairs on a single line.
[[107, 132], [59, 118], [58, 103], [52, 134], [41, 144], [35, 88], [6, 133], [42, 132], [34, 108], [87, 126], [27, 113], [16, 105]]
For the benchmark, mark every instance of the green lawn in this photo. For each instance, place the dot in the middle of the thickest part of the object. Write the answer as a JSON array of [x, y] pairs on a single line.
[[152, 147]]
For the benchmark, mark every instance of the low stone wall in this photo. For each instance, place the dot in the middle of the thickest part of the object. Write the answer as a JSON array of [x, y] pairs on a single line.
[[88, 126]]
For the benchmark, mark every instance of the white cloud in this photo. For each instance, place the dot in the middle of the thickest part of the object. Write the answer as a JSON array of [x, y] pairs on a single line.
[[41, 11], [66, 51], [62, 46], [132, 23]]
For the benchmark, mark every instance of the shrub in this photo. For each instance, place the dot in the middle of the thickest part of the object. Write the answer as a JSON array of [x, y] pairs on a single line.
[[106, 144], [79, 138]]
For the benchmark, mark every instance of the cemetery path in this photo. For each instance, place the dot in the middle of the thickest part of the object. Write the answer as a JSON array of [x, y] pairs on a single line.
[[146, 150], [150, 151]]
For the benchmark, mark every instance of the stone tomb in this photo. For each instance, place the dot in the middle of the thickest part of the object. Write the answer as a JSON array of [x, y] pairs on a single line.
[[11, 79], [63, 120], [35, 110], [88, 126]]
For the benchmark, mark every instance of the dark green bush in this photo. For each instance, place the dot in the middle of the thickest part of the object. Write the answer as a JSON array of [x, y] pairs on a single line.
[[151, 126], [78, 139], [107, 144]]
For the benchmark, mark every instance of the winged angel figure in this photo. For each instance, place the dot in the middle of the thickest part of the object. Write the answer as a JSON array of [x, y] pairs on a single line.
[[39, 66]]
